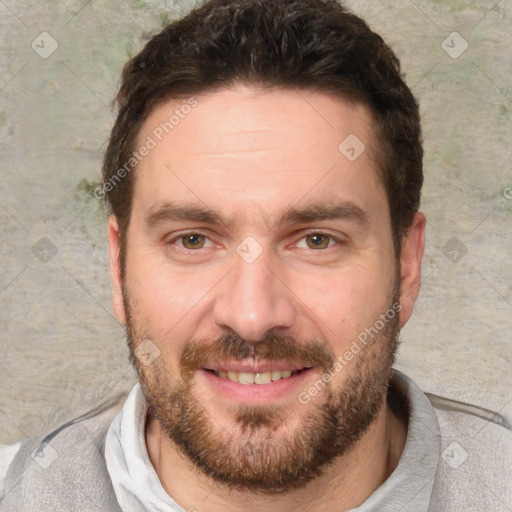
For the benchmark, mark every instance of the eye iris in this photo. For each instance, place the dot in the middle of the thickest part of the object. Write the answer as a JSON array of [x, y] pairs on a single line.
[[317, 241], [193, 241]]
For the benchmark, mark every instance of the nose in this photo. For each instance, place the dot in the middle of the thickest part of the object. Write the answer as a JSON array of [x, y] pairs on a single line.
[[253, 298]]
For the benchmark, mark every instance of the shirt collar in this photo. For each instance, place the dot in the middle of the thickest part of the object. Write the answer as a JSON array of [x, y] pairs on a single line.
[[135, 481]]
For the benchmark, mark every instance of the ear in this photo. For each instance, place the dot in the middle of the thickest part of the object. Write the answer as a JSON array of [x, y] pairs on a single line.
[[411, 254], [115, 269]]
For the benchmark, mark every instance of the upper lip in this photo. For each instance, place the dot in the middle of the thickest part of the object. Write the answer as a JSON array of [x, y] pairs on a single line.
[[253, 366]]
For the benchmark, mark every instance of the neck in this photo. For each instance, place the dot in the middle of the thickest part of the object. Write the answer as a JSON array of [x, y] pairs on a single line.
[[343, 485]]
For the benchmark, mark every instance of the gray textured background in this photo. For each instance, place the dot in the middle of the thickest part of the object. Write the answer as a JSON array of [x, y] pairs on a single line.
[[61, 347]]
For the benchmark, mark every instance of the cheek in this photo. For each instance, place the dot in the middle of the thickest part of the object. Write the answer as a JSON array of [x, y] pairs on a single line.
[[346, 302], [166, 302]]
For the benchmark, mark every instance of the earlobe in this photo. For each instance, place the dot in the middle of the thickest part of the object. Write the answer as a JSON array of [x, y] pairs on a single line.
[[115, 269], [411, 254]]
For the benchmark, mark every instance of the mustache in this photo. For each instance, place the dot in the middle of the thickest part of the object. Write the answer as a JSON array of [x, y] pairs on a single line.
[[272, 348]]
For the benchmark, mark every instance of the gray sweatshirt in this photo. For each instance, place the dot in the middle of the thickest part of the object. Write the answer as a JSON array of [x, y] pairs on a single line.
[[457, 457]]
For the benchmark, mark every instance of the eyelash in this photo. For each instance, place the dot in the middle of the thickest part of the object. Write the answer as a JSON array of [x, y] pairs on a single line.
[[305, 234]]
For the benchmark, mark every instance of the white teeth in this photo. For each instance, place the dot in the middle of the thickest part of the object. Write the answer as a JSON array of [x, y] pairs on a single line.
[[276, 375], [263, 378], [254, 378], [246, 378], [233, 376]]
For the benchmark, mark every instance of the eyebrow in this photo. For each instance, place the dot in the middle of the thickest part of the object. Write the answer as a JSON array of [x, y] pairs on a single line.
[[340, 210], [334, 210], [169, 212]]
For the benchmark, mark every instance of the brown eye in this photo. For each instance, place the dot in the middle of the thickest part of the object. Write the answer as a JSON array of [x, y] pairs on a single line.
[[318, 241], [193, 241]]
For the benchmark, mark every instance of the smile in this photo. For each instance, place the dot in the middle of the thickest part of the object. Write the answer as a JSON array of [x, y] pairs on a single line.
[[256, 378], [253, 383]]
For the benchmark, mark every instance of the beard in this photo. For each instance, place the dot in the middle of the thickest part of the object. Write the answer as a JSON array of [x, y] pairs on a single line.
[[267, 449]]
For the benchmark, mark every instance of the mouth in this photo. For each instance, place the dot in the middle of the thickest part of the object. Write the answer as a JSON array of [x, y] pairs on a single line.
[[243, 382]]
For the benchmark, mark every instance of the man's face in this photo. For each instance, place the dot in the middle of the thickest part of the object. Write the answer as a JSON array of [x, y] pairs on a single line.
[[257, 247]]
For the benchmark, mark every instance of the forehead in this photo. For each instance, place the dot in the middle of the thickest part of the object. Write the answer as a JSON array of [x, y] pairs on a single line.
[[258, 150]]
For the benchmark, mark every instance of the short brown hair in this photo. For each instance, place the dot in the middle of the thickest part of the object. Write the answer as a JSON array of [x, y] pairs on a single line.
[[312, 44]]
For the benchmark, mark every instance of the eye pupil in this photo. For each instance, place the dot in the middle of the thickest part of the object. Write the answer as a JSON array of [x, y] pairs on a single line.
[[318, 241], [193, 241]]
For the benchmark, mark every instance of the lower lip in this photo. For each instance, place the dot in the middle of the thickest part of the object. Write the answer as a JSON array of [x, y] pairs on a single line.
[[254, 393]]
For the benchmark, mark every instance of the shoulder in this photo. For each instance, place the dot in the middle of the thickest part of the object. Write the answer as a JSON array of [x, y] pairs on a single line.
[[64, 469], [474, 470]]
